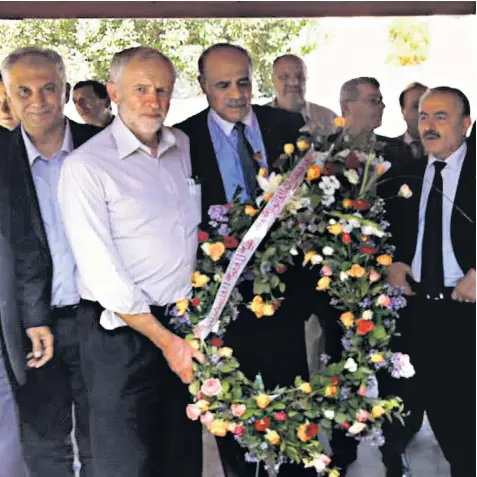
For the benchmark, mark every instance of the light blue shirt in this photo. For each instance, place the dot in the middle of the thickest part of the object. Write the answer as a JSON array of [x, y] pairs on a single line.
[[46, 174], [450, 179], [224, 138]]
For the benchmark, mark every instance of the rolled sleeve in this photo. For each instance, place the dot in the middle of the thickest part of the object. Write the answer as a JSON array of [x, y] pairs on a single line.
[[84, 209]]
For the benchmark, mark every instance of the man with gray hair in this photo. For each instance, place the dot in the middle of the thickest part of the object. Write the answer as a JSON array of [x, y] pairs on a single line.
[[289, 84], [131, 212], [36, 83]]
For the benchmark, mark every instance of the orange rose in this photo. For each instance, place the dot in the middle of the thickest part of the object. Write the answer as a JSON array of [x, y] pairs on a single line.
[[303, 145], [250, 210], [347, 203], [330, 391], [199, 280], [384, 260], [347, 319], [306, 388], [356, 271], [313, 172], [268, 196], [214, 250], [339, 122], [273, 437], [307, 431]]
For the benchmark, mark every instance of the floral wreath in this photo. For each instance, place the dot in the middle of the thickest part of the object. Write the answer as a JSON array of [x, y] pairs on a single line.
[[336, 221]]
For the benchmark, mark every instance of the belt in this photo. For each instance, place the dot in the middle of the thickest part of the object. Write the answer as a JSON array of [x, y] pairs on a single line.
[[64, 310]]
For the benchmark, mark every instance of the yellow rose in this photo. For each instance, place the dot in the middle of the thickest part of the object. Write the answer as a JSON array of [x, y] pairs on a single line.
[[347, 203], [194, 344], [262, 401], [203, 405], [257, 306], [313, 172], [218, 428], [302, 145], [214, 250], [364, 238], [356, 271], [225, 352], [306, 388], [308, 256], [335, 229], [323, 283], [377, 411], [339, 122], [250, 210], [384, 260], [377, 358], [199, 280], [182, 306], [288, 149], [262, 172], [272, 436], [347, 319]]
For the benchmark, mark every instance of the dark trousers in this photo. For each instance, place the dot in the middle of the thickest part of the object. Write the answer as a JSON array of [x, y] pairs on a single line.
[[139, 426], [46, 406], [277, 351]]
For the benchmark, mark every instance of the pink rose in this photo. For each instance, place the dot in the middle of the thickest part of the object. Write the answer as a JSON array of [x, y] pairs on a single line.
[[206, 419], [326, 271], [374, 276], [362, 415], [211, 387], [280, 416], [239, 431], [193, 412], [238, 410], [383, 301]]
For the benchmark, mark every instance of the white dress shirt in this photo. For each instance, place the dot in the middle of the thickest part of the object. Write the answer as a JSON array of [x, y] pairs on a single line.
[[132, 220], [450, 179]]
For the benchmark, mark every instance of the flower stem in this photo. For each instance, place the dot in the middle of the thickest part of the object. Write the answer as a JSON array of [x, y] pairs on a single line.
[[370, 158]]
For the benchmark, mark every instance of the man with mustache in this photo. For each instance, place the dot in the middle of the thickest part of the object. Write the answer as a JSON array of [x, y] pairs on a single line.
[[289, 84], [409, 102], [434, 263], [35, 80], [229, 141], [131, 213]]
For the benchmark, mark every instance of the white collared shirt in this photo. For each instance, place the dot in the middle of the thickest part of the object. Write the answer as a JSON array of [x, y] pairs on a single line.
[[450, 179], [131, 220], [226, 126]]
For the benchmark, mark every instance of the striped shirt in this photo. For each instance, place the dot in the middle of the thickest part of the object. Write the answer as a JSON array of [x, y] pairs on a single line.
[[131, 220]]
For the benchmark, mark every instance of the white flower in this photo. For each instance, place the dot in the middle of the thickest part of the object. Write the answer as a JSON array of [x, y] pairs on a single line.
[[318, 461], [357, 427], [405, 191], [332, 222], [327, 251], [218, 277], [327, 200], [270, 184], [329, 183], [316, 259], [367, 315], [343, 276], [351, 365], [293, 251], [402, 366], [352, 176], [329, 414], [370, 230]]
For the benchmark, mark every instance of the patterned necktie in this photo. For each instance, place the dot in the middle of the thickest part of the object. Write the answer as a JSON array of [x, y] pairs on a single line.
[[432, 268], [245, 153]]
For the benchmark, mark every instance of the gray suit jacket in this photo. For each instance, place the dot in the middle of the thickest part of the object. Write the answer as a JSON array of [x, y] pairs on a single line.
[[23, 287]]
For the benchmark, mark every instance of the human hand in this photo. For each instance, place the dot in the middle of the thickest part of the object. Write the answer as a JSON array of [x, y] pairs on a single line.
[[465, 288], [397, 277], [41, 346], [179, 355]]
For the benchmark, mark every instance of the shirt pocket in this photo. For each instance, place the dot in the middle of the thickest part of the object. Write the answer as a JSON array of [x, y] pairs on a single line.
[[193, 204]]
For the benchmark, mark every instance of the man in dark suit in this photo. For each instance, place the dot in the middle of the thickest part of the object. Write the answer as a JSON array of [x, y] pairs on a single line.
[[228, 142], [434, 235], [23, 289], [35, 81], [409, 102]]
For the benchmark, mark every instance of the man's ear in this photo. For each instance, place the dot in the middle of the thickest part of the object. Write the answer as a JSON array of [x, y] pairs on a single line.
[[113, 92], [467, 124]]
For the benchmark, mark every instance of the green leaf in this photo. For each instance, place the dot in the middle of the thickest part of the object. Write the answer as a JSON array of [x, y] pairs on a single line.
[[194, 387]]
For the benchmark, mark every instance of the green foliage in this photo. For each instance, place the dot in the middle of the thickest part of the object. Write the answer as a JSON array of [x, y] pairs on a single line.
[[87, 45], [409, 40]]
